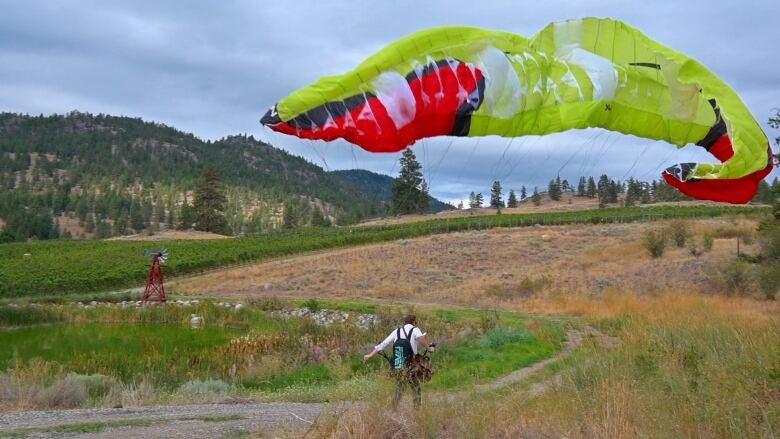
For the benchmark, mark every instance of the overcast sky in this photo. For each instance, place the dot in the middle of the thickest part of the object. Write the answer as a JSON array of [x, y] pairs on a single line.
[[213, 68]]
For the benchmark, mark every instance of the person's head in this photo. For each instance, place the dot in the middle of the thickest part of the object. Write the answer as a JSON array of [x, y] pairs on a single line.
[[410, 319]]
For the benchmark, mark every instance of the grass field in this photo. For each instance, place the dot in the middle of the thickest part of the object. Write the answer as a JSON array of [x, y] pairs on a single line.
[[106, 355], [58, 267]]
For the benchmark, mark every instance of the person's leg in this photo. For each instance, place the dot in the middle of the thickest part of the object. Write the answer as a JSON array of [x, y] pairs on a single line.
[[416, 392], [399, 392]]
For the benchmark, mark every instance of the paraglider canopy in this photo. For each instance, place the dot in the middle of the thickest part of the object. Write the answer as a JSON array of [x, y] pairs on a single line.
[[461, 81]]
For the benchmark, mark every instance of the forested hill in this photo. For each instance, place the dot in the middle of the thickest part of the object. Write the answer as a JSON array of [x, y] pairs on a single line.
[[382, 186], [118, 175]]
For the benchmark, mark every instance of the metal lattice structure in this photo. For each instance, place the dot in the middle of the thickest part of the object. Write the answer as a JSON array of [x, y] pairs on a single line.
[[155, 290]]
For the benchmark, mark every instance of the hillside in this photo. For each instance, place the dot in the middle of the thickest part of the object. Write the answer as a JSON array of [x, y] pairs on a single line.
[[104, 175], [382, 186]]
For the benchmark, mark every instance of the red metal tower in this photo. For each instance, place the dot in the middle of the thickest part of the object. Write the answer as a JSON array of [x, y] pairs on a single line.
[[155, 290]]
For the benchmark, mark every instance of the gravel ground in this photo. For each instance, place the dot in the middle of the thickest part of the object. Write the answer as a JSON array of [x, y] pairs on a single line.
[[174, 421]]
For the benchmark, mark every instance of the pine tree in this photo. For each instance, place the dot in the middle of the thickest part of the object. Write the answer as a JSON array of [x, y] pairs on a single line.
[[554, 189], [536, 197], [288, 215], [581, 187], [186, 217], [591, 191], [472, 200], [136, 216], [424, 198], [89, 224], [496, 201], [523, 193], [478, 200], [409, 192], [603, 190], [318, 219], [764, 194], [209, 204], [512, 200]]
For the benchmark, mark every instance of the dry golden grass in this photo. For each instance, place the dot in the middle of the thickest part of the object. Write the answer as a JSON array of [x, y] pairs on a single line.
[[688, 366], [568, 202], [487, 268], [168, 235]]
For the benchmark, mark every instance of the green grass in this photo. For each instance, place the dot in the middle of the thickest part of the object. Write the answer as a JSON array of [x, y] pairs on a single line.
[[251, 351], [499, 352], [118, 350], [67, 267]]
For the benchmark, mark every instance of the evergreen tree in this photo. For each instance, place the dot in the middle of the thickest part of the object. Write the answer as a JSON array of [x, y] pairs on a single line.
[[89, 224], [186, 217], [209, 204], [478, 200], [136, 216], [764, 194], [554, 189], [472, 200], [536, 197], [512, 200], [408, 189], [523, 193], [496, 201], [591, 191], [581, 187], [318, 219], [603, 190], [423, 203], [614, 189], [288, 215]]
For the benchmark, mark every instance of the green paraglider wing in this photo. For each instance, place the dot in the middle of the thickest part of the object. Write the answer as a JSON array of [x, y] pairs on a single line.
[[458, 81]]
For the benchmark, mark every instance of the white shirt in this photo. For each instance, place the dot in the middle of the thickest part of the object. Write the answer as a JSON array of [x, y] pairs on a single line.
[[414, 334]]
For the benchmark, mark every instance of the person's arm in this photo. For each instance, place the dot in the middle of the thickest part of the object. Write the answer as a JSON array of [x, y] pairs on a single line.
[[422, 340], [380, 347]]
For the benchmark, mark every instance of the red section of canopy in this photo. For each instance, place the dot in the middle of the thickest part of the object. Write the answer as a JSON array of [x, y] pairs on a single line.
[[731, 190], [438, 94]]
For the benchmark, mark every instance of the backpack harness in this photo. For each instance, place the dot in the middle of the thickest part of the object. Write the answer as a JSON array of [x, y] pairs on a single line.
[[402, 349]]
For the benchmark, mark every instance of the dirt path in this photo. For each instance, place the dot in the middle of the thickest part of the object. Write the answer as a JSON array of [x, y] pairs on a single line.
[[233, 420], [181, 421]]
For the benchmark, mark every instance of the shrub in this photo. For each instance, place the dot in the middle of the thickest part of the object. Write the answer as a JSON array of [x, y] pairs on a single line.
[[735, 276], [707, 242], [678, 231], [694, 249], [655, 243], [95, 385], [527, 287], [500, 336], [63, 393], [769, 277], [769, 281], [312, 304], [208, 387]]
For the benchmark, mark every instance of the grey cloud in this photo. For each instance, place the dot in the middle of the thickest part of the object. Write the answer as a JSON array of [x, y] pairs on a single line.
[[213, 68]]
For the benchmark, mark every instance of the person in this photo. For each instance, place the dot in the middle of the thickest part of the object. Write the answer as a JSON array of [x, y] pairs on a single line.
[[411, 336]]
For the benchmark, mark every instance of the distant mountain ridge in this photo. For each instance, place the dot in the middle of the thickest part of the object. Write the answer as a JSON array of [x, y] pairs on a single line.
[[116, 175], [382, 186]]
